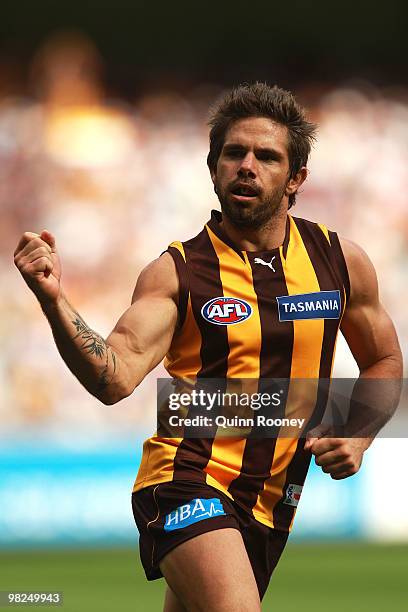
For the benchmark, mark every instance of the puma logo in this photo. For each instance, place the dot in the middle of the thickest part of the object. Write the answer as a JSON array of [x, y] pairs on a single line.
[[258, 260]]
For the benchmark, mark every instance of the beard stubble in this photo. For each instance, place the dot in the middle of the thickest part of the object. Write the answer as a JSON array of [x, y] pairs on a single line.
[[250, 215]]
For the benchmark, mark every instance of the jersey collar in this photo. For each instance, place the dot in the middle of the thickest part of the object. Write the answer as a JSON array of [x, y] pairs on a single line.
[[215, 227]]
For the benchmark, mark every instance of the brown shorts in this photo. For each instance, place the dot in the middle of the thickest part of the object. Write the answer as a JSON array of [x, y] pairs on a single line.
[[170, 513]]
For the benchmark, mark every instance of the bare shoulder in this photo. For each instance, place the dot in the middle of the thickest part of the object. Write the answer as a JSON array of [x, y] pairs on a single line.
[[363, 277], [158, 278]]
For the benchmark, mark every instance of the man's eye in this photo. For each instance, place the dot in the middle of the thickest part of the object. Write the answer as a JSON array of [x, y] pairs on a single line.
[[233, 153], [266, 157]]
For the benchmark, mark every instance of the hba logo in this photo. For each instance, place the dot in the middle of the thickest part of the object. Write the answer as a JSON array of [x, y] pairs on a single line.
[[194, 511], [226, 311]]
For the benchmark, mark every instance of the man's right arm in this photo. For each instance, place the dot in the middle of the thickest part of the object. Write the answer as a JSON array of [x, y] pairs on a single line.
[[109, 369]]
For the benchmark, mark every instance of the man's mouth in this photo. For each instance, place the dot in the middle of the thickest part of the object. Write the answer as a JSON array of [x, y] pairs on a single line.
[[244, 192]]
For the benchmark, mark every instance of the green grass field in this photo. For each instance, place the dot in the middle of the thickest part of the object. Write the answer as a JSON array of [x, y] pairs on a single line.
[[342, 577]]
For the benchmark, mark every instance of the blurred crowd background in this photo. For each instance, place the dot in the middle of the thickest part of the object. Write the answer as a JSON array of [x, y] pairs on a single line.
[[117, 180], [107, 150]]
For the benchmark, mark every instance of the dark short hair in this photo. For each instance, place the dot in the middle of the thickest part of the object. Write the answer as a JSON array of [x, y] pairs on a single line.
[[261, 100]]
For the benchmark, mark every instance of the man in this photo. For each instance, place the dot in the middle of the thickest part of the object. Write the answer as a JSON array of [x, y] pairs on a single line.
[[263, 262]]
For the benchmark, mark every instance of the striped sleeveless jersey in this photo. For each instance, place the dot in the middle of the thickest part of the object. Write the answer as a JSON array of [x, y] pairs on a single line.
[[265, 477]]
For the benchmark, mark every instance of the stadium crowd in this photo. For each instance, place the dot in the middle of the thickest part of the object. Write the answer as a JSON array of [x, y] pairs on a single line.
[[117, 181]]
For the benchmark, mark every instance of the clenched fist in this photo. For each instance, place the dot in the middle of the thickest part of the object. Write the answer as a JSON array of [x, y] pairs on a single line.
[[339, 457], [37, 259]]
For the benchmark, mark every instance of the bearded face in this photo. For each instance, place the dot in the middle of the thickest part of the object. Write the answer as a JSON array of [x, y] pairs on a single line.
[[252, 174], [246, 205]]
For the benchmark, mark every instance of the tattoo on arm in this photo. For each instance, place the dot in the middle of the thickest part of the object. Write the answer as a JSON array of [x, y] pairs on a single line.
[[94, 344]]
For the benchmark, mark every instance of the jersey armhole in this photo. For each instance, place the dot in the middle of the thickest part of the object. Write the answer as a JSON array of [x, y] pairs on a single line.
[[341, 261], [181, 268]]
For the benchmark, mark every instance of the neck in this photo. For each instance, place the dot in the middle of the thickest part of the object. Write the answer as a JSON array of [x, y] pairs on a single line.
[[269, 236]]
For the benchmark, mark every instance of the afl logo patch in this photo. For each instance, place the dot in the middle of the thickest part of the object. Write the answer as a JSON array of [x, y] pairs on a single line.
[[226, 311]]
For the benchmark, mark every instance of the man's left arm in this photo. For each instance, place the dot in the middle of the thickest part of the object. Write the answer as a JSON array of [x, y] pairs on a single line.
[[372, 339]]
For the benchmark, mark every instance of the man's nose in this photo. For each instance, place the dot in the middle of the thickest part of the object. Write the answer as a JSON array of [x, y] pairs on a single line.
[[248, 165]]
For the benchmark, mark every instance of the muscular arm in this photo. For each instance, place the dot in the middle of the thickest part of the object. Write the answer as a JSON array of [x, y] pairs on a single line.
[[143, 334], [372, 339], [109, 369], [366, 326]]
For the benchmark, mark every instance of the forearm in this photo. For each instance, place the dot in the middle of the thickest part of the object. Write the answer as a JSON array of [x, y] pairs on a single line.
[[94, 363], [375, 397]]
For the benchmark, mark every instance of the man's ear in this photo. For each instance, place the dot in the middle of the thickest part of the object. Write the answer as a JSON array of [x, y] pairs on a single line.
[[294, 183], [213, 178]]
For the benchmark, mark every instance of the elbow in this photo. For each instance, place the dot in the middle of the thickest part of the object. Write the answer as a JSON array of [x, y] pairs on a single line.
[[108, 400], [121, 384], [112, 394], [395, 364], [387, 366]]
